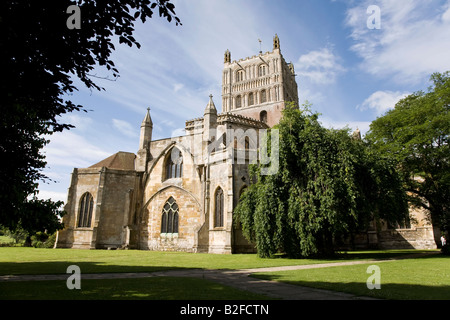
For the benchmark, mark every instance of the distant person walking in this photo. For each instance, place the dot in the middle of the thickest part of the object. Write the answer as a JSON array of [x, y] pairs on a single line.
[[443, 240]]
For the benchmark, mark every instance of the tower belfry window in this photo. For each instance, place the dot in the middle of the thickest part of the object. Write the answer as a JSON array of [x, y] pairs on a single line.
[[263, 95], [262, 70], [238, 101], [263, 116], [240, 75], [251, 99]]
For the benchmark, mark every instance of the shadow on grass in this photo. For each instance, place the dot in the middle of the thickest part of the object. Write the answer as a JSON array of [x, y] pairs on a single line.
[[154, 288], [60, 267], [369, 255], [392, 291]]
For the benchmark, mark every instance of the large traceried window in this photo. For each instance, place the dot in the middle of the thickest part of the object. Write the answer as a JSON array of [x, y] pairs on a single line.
[[219, 209], [169, 219], [85, 212], [174, 164]]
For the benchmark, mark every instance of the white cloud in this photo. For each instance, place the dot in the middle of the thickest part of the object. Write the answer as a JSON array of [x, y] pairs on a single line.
[[382, 101], [177, 87], [72, 150], [413, 41], [125, 128], [80, 122], [446, 15], [53, 195], [320, 66]]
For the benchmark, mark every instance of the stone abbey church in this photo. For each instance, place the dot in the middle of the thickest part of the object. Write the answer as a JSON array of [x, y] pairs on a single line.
[[179, 193]]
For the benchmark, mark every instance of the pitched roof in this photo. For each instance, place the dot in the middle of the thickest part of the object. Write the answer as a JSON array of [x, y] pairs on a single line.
[[120, 160]]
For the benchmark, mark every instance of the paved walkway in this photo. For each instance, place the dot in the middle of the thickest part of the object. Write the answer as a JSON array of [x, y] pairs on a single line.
[[235, 278]]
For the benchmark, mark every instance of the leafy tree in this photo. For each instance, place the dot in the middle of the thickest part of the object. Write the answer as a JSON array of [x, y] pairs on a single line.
[[328, 186], [415, 134], [40, 57]]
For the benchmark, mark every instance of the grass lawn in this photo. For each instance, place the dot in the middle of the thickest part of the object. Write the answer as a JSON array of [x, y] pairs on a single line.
[[425, 278], [420, 278], [20, 260], [158, 288]]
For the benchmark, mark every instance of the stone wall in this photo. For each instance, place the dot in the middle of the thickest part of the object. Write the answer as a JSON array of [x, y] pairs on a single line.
[[116, 207], [82, 181], [416, 238], [274, 112], [185, 190], [111, 192], [190, 220], [220, 176]]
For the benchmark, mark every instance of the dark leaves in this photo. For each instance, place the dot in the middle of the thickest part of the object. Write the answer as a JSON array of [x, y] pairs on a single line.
[[40, 58]]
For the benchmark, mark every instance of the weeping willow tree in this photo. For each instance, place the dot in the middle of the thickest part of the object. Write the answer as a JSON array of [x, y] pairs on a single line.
[[328, 186]]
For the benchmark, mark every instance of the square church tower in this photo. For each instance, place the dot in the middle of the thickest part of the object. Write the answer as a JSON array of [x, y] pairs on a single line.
[[258, 86]]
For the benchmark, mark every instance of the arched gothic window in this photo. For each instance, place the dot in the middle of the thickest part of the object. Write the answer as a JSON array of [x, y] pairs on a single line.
[[263, 95], [85, 212], [263, 116], [251, 99], [174, 164], [219, 209], [238, 101], [240, 75], [247, 143], [169, 219], [262, 70]]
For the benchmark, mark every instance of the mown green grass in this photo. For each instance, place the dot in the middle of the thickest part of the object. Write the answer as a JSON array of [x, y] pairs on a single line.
[[399, 279], [157, 288], [425, 278], [20, 260]]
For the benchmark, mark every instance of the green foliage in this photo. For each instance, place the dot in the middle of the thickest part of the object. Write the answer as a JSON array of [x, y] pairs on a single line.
[[18, 235], [41, 215], [40, 58], [415, 135], [328, 186], [43, 240]]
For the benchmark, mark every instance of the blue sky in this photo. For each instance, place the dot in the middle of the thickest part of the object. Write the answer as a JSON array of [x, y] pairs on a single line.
[[350, 73]]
